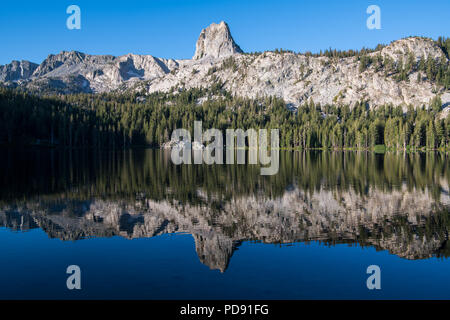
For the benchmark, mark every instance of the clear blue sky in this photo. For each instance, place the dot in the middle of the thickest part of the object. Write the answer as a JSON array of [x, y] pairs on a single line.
[[30, 30]]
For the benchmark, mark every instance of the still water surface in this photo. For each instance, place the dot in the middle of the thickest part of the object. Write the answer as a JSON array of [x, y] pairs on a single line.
[[140, 227]]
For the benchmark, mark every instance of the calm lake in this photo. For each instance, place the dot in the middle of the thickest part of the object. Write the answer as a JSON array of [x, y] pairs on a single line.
[[140, 227]]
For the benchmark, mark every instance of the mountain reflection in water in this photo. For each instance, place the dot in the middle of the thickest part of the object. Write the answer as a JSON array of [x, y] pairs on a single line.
[[395, 202]]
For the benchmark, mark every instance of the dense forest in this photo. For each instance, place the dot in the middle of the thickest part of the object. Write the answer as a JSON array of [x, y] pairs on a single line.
[[122, 120]]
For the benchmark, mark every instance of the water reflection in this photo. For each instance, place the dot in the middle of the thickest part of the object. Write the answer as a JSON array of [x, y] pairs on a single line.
[[394, 202]]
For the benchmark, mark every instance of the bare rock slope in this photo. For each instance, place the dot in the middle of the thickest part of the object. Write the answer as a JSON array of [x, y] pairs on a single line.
[[17, 70], [297, 78]]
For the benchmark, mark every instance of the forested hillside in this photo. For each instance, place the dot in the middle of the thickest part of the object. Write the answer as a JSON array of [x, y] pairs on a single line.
[[116, 121]]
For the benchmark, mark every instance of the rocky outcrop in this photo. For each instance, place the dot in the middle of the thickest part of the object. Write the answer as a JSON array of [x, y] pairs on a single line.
[[172, 144], [216, 42], [420, 48], [69, 72], [297, 78], [17, 70], [53, 62]]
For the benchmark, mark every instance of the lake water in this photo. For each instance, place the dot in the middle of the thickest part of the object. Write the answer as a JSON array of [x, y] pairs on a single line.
[[140, 227]]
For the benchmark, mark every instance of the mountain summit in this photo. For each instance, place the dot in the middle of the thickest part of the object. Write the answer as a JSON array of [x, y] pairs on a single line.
[[411, 71], [216, 41]]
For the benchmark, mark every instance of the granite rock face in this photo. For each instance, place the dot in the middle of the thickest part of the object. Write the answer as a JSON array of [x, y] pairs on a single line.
[[297, 78], [216, 41], [17, 70]]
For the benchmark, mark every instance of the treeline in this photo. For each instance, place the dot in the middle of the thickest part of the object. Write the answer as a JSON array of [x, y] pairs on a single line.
[[329, 53], [442, 42], [333, 53], [332, 127], [123, 120]]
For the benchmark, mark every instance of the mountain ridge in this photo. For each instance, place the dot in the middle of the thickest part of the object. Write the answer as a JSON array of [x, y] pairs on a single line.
[[386, 76]]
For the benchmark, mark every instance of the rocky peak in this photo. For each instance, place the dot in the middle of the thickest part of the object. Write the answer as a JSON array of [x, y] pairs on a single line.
[[216, 41], [54, 61], [421, 48], [296, 78], [17, 70]]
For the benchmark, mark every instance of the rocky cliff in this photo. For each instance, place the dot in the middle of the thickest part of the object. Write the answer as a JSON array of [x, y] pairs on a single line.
[[216, 42], [17, 70], [297, 78]]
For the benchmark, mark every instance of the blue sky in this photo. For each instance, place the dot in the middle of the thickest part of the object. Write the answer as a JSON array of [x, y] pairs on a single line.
[[30, 30]]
